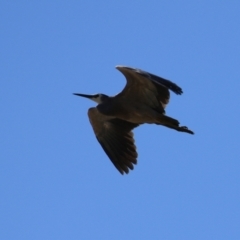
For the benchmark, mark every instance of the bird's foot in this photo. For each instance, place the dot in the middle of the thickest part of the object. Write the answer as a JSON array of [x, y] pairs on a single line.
[[185, 129]]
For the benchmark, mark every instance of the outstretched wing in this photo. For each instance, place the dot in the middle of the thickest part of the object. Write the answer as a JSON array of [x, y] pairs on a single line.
[[116, 139], [147, 87]]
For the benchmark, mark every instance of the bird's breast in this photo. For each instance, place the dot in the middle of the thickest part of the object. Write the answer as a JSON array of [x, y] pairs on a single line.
[[135, 112]]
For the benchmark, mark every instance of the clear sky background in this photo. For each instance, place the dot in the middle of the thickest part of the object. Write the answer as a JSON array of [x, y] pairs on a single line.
[[56, 181]]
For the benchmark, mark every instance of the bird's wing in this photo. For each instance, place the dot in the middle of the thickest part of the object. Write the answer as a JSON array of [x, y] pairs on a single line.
[[147, 87], [116, 139]]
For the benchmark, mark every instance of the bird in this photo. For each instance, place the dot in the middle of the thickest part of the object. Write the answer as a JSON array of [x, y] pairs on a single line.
[[143, 100]]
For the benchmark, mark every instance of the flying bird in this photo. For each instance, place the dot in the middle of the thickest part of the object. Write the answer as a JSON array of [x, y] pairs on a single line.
[[143, 100]]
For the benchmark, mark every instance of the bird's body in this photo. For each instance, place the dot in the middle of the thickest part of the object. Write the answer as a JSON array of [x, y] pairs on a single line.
[[143, 100]]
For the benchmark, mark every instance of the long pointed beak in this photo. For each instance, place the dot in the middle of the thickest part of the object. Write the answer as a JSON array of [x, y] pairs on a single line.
[[83, 95]]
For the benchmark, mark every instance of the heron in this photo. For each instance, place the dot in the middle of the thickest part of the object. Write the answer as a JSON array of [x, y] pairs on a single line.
[[143, 100]]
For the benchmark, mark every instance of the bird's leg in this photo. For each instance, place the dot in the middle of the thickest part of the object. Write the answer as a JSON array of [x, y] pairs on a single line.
[[173, 123]]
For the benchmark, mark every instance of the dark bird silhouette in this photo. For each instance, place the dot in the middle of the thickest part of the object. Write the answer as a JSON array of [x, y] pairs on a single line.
[[143, 100]]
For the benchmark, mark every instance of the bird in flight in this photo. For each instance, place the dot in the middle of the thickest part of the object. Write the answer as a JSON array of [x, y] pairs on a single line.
[[143, 100]]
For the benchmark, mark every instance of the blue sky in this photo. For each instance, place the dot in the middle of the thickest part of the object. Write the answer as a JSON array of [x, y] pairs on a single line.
[[55, 180]]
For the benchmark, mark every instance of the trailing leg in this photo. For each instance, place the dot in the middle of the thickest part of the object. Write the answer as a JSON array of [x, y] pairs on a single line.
[[172, 123]]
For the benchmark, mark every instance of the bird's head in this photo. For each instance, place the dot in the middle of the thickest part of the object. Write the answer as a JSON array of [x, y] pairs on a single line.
[[98, 98]]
